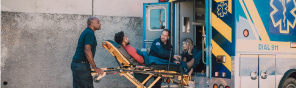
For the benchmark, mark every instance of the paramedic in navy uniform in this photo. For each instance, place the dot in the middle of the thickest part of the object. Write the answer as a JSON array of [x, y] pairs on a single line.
[[161, 48], [84, 56]]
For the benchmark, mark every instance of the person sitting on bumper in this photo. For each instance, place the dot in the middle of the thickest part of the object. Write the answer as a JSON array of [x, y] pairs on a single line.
[[191, 56]]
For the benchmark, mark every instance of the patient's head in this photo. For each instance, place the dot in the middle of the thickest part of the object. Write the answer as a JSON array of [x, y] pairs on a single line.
[[121, 39]]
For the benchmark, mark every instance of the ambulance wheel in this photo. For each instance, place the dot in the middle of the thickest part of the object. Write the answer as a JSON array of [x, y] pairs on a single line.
[[95, 79], [289, 83]]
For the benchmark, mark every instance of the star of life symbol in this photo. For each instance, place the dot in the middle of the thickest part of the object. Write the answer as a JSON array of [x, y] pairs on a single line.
[[283, 14], [222, 8], [157, 43]]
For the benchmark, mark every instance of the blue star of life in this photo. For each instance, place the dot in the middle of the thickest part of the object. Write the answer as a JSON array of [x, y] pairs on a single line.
[[282, 16]]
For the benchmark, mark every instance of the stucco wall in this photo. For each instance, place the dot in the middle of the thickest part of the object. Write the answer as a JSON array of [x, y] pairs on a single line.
[[37, 48], [39, 38], [132, 8]]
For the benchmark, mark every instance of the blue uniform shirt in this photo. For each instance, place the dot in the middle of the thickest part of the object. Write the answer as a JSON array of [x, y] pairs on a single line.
[[196, 54], [161, 50], [86, 37]]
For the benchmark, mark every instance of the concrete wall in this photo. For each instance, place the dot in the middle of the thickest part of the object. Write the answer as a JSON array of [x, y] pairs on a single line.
[[132, 8], [39, 38]]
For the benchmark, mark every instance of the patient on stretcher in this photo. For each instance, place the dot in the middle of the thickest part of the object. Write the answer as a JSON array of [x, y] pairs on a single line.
[[138, 56], [124, 42], [131, 60], [132, 56], [141, 57]]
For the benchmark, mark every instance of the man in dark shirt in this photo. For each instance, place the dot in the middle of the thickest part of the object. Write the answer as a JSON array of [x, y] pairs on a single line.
[[84, 56], [161, 51]]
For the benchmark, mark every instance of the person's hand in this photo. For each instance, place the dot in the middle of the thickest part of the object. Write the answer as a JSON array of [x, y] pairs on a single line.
[[164, 75], [177, 62], [190, 72], [177, 57], [98, 70]]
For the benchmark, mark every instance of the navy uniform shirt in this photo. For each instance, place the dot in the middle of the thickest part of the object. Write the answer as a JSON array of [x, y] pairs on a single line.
[[86, 37], [161, 50], [196, 54]]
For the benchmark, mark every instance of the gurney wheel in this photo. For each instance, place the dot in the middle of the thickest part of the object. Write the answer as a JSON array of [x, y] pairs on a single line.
[[168, 80], [95, 79]]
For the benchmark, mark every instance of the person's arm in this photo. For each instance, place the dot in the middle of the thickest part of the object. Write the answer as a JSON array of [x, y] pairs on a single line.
[[135, 55], [177, 57], [89, 57], [89, 40]]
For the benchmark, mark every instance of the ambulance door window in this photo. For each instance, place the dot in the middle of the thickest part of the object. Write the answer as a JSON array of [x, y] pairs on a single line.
[[157, 19]]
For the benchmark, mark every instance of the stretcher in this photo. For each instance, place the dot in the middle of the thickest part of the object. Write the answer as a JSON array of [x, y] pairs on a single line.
[[127, 65]]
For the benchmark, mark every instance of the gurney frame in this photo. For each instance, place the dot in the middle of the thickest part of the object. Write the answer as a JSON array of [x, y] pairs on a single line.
[[125, 69]]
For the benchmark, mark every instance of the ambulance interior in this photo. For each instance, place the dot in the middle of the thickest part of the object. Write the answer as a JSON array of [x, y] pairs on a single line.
[[196, 30], [188, 21]]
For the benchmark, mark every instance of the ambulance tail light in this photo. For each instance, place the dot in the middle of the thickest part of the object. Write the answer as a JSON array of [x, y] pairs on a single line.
[[227, 87], [162, 0]]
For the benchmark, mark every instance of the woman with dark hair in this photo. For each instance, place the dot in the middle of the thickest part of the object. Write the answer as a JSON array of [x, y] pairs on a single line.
[[190, 57]]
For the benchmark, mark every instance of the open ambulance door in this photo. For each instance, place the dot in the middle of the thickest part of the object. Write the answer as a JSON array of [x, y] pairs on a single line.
[[156, 17]]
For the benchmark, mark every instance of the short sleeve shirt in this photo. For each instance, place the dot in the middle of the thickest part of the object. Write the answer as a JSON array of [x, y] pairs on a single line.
[[86, 37]]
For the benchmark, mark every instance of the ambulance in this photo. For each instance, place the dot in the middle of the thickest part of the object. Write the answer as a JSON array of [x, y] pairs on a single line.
[[248, 43]]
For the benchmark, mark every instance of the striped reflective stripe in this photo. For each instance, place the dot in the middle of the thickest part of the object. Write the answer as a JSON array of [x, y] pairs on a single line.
[[222, 27]]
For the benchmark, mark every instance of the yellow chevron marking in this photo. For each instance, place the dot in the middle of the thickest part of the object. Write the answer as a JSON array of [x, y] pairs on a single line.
[[229, 5], [249, 20], [257, 20], [222, 27], [217, 50]]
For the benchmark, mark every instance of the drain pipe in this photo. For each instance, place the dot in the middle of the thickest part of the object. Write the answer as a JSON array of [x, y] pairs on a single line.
[[92, 8]]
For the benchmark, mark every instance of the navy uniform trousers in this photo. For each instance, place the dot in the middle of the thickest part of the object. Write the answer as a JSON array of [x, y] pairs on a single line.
[[81, 73]]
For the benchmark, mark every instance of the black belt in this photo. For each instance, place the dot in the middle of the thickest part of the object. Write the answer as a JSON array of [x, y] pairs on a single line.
[[80, 61]]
